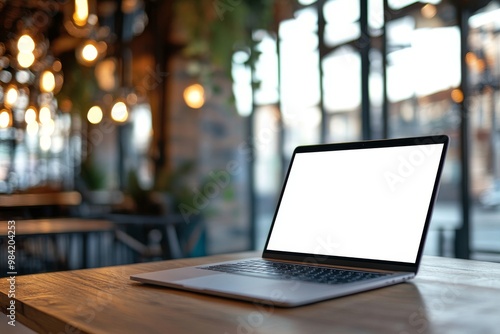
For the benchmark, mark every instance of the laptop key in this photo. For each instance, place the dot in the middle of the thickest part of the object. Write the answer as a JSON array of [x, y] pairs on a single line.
[[285, 271]]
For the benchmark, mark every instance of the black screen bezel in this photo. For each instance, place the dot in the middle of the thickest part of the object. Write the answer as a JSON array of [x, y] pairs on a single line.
[[357, 262]]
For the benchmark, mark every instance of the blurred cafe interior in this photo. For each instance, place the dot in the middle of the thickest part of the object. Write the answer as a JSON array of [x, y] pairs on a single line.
[[138, 130]]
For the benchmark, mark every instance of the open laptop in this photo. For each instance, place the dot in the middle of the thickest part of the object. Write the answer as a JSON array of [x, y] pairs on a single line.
[[351, 217]]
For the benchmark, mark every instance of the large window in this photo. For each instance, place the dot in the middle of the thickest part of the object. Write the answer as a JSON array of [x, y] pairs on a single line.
[[405, 61], [342, 98], [423, 76], [300, 80], [483, 60]]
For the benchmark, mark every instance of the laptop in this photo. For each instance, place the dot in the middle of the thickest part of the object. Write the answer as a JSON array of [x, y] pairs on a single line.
[[351, 217]]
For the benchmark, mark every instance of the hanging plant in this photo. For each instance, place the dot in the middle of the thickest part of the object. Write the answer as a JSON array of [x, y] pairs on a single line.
[[214, 29]]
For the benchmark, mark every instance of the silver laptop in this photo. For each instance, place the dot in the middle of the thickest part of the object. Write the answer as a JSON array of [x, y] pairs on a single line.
[[351, 217]]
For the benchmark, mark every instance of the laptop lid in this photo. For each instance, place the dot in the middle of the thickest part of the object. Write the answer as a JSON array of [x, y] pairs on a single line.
[[362, 204]]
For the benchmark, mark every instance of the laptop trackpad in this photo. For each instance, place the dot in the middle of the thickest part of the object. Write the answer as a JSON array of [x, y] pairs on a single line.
[[255, 289]]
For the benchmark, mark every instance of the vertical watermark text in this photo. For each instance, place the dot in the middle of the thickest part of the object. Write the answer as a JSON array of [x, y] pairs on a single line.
[[11, 271]]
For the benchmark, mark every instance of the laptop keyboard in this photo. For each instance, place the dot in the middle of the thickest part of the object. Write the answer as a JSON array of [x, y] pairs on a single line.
[[288, 271]]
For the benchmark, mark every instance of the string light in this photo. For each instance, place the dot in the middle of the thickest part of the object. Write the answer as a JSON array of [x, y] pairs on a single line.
[[11, 96], [30, 115], [25, 60], [30, 75], [89, 52], [119, 112], [5, 119], [25, 46], [194, 96], [81, 13], [47, 82], [457, 96], [94, 115]]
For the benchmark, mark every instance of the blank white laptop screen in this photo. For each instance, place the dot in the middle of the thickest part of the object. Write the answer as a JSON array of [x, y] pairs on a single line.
[[365, 203]]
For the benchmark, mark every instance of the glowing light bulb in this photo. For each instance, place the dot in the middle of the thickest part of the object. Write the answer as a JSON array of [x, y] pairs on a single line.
[[194, 96], [25, 60], [11, 96], [119, 112], [5, 119], [81, 13], [457, 96], [47, 82], [94, 115], [26, 44], [30, 115], [89, 52]]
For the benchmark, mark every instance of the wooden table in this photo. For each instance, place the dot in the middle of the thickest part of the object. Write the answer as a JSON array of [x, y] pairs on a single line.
[[448, 296], [41, 199], [53, 227], [38, 204], [27, 227]]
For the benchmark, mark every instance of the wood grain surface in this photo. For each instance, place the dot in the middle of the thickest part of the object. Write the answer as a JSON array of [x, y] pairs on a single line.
[[448, 296]]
